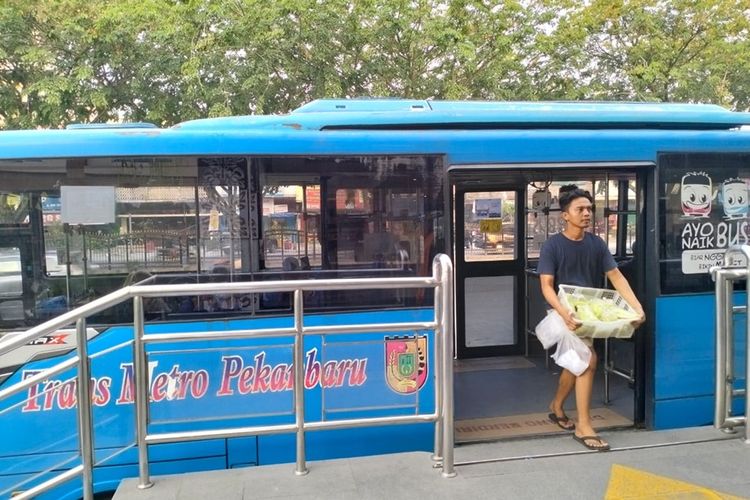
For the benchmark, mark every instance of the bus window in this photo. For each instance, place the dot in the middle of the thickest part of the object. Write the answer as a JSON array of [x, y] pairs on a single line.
[[376, 228], [359, 217], [154, 226], [489, 224], [223, 229], [290, 220], [171, 215], [177, 215], [192, 219], [703, 210]]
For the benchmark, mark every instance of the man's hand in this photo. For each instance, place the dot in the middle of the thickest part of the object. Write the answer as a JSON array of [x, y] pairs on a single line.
[[570, 320], [641, 319]]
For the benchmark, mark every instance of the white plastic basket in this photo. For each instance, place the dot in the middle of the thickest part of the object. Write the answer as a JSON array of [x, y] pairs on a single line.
[[620, 329]]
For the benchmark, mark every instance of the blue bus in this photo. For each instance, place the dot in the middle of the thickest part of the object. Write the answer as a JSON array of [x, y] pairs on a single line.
[[353, 188]]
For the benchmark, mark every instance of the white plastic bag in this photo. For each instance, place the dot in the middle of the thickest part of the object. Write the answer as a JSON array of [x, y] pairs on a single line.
[[550, 330], [572, 354]]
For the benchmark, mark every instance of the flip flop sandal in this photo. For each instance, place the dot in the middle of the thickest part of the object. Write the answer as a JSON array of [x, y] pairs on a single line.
[[600, 446], [563, 422]]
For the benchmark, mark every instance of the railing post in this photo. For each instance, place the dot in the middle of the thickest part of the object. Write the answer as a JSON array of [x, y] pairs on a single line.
[[728, 376], [299, 383], [725, 309], [721, 377], [141, 387], [86, 440], [437, 454], [446, 320]]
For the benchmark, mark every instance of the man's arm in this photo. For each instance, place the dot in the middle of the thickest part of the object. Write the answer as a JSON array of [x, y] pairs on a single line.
[[623, 288], [548, 290]]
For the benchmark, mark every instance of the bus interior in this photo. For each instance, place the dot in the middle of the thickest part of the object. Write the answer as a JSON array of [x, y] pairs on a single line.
[[504, 379]]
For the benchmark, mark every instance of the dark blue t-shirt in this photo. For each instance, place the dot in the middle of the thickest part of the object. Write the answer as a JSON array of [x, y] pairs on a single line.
[[579, 263]]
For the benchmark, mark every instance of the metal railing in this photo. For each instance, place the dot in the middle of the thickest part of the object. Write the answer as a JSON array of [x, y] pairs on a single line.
[[725, 276], [442, 324], [611, 369]]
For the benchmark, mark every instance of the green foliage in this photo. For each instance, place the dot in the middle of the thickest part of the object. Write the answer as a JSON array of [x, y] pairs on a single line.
[[166, 61], [680, 50]]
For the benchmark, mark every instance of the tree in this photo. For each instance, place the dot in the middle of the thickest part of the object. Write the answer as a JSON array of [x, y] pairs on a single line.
[[166, 61], [681, 50], [95, 61]]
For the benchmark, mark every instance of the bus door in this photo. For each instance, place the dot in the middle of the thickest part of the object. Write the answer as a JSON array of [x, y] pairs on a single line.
[[489, 269]]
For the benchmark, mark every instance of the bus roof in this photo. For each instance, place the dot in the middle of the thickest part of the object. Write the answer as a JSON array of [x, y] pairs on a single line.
[[410, 114], [461, 129]]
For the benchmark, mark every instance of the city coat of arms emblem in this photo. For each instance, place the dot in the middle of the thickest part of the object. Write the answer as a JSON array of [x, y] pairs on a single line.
[[406, 363]]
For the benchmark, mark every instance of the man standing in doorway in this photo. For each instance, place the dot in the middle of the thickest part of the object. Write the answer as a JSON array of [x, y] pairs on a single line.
[[577, 257]]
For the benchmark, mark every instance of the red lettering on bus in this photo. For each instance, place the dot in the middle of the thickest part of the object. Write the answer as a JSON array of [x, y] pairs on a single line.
[[232, 368]]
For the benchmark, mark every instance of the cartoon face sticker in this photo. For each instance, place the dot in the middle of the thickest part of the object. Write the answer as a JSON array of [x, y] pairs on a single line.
[[734, 198], [695, 194]]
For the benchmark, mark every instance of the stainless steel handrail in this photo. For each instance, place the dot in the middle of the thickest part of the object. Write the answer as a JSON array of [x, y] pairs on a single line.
[[725, 276], [441, 281]]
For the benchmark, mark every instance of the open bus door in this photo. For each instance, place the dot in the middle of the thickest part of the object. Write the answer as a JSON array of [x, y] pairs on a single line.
[[501, 219]]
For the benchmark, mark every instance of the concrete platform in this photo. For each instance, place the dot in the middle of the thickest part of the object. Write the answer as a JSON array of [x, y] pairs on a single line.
[[693, 463]]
